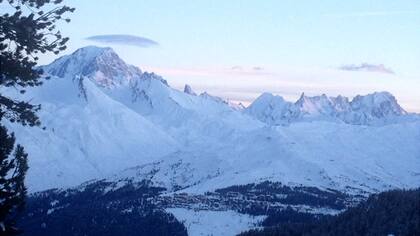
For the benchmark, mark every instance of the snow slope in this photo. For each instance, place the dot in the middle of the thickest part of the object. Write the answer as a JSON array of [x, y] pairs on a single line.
[[222, 223], [320, 154], [103, 116]]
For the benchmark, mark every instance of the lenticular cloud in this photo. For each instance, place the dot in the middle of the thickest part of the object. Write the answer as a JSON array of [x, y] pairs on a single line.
[[123, 39]]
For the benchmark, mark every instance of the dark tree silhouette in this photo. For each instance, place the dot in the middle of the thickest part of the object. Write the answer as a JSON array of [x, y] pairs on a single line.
[[395, 212], [13, 167], [27, 29]]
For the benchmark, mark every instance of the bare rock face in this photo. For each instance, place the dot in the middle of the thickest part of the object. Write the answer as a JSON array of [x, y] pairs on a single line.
[[188, 90]]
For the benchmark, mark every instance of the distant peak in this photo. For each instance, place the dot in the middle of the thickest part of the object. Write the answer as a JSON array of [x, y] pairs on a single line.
[[384, 94], [151, 75], [211, 97], [314, 99], [269, 96], [266, 94], [188, 90], [236, 106], [378, 103], [301, 99], [340, 100], [302, 96], [377, 96]]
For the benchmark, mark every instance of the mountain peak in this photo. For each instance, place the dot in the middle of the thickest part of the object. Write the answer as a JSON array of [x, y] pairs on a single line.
[[236, 106], [315, 105], [90, 52], [188, 90], [268, 98], [206, 95], [101, 64], [379, 104], [302, 99], [302, 96], [269, 108]]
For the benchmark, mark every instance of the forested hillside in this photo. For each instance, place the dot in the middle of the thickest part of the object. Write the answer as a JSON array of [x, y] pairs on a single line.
[[394, 212]]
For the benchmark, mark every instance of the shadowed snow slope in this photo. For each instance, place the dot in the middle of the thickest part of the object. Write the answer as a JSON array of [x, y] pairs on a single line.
[[103, 116]]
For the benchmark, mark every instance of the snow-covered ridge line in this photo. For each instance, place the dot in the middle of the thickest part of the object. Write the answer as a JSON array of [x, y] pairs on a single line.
[[108, 70], [378, 108]]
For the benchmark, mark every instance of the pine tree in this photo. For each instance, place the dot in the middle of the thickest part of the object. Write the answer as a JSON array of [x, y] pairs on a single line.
[[26, 30], [13, 163]]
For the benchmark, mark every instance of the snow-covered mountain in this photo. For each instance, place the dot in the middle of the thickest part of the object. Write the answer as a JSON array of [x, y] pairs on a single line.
[[378, 108], [102, 116], [102, 64], [108, 120], [88, 134]]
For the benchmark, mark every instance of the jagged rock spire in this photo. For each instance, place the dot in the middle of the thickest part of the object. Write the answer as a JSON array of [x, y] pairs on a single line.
[[188, 90]]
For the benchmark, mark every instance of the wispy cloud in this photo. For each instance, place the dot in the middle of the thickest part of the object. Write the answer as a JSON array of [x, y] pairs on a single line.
[[367, 68], [123, 39], [254, 70], [214, 71], [236, 68], [370, 14], [242, 68]]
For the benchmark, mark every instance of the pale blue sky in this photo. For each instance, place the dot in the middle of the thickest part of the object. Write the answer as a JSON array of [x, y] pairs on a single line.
[[298, 44]]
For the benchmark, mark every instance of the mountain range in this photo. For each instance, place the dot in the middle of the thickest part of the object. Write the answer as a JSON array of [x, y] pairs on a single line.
[[109, 121]]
